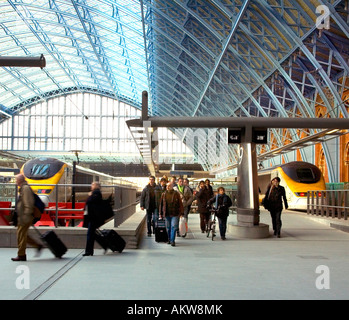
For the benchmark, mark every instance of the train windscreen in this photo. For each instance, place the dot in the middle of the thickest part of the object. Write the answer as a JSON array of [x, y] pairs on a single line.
[[302, 172], [42, 168], [305, 175]]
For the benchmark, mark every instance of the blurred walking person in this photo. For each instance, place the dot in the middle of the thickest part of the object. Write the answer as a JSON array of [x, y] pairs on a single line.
[[92, 220], [24, 211]]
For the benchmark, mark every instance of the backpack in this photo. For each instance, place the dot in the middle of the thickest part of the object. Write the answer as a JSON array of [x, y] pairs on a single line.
[[39, 208]]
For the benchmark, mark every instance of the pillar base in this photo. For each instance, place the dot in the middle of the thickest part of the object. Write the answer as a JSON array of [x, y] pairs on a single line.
[[248, 217], [249, 232]]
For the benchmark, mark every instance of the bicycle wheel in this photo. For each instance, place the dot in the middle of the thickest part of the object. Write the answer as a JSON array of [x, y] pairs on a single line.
[[213, 234], [208, 228]]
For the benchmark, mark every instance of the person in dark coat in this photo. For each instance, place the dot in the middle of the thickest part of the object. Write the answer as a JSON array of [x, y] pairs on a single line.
[[209, 187], [92, 219], [171, 208], [159, 190], [222, 202], [274, 195], [203, 196], [148, 202]]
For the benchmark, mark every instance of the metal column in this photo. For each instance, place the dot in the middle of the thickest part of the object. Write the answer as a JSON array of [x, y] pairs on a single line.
[[248, 200]]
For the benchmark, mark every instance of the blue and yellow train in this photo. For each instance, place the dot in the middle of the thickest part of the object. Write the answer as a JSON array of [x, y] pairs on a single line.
[[52, 171], [297, 178]]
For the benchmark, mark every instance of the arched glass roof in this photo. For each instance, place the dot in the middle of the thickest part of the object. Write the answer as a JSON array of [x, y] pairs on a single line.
[[94, 46], [230, 58]]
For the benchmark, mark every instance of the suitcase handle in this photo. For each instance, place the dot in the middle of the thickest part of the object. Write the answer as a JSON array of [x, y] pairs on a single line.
[[37, 231]]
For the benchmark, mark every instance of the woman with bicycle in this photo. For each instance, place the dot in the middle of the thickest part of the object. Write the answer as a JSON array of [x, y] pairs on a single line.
[[221, 202]]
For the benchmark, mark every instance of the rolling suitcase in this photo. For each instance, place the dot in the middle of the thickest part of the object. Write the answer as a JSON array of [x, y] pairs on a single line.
[[109, 239], [161, 231], [52, 241]]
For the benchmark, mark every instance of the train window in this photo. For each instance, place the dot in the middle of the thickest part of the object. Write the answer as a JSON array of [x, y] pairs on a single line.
[[305, 175], [40, 170]]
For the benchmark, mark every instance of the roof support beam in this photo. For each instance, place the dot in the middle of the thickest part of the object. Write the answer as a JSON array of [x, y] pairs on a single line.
[[220, 57], [232, 122]]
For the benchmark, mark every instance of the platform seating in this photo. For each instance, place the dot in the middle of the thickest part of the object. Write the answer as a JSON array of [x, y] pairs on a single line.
[[4, 213], [73, 215], [46, 220], [66, 215]]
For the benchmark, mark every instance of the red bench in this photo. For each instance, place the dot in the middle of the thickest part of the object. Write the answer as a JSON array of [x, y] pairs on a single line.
[[64, 215], [3, 213]]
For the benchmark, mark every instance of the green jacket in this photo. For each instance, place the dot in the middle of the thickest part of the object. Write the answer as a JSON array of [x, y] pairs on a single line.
[[186, 196]]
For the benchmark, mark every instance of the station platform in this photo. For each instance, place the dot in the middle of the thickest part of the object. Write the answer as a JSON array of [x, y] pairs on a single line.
[[310, 261]]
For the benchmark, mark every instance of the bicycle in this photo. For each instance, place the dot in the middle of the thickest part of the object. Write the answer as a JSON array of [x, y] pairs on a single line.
[[211, 225]]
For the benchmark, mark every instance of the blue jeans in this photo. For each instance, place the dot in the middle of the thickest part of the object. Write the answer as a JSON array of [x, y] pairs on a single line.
[[172, 227], [149, 220], [222, 222], [155, 218]]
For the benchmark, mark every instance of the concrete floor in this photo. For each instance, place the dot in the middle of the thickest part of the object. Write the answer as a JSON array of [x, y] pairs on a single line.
[[309, 261]]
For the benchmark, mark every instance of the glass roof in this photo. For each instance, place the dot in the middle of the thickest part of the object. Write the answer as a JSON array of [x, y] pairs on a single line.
[[88, 45], [229, 58]]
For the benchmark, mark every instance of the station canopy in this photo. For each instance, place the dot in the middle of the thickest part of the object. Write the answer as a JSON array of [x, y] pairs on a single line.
[[228, 58]]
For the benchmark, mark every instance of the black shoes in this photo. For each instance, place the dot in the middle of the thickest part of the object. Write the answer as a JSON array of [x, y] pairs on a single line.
[[20, 258], [87, 254]]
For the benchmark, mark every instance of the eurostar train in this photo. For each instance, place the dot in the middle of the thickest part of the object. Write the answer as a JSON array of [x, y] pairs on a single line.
[[54, 171], [297, 178]]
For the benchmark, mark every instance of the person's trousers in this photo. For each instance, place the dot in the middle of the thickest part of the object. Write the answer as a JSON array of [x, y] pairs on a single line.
[[155, 219], [172, 227], [150, 220], [91, 236], [222, 225], [186, 212], [276, 220], [23, 239], [204, 218]]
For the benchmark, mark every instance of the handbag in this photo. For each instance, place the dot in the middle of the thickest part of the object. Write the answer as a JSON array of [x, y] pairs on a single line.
[[183, 226], [265, 203]]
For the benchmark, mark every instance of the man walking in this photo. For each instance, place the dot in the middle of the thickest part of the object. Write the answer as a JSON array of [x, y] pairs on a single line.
[[148, 202], [25, 210], [186, 197]]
